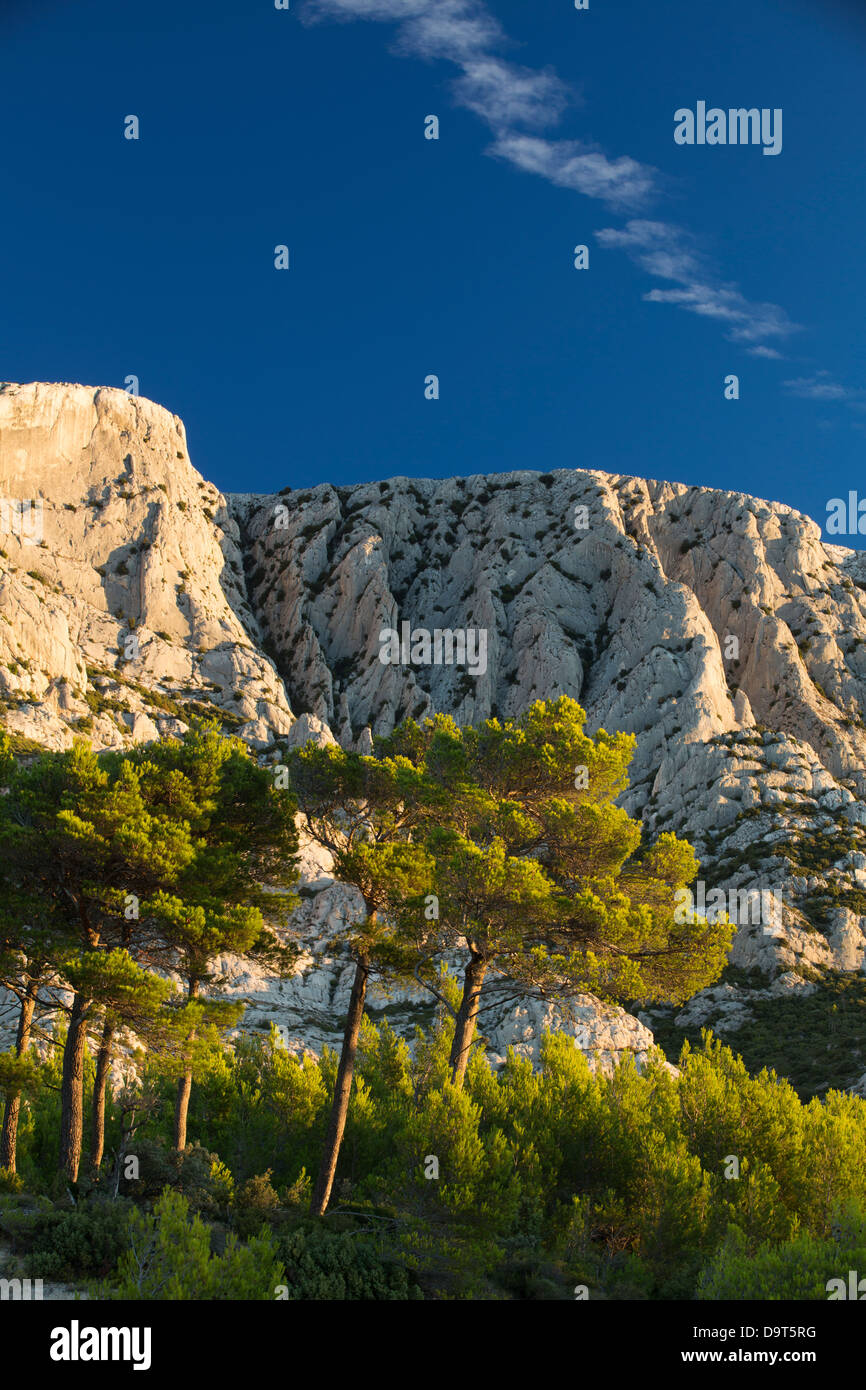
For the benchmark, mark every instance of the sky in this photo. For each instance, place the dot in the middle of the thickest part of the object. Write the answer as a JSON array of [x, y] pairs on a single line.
[[410, 257]]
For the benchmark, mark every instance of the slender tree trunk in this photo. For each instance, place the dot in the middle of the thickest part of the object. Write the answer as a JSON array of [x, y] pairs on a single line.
[[184, 1085], [181, 1109], [12, 1110], [97, 1124], [72, 1091], [464, 1028], [342, 1091]]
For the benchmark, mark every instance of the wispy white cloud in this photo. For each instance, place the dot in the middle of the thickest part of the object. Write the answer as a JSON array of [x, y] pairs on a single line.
[[509, 98], [621, 183], [459, 30], [823, 387], [746, 321], [504, 95], [519, 102], [668, 252], [819, 387], [660, 248]]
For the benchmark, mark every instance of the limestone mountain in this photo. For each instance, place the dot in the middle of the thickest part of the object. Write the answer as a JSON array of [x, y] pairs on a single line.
[[717, 627]]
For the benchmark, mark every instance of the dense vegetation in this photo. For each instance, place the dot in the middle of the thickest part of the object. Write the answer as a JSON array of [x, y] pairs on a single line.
[[386, 1171], [547, 1184], [816, 1041]]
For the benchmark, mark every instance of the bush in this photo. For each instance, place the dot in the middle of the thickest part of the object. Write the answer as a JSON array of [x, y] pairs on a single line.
[[85, 1241], [255, 1203], [200, 1176], [799, 1269], [169, 1259], [347, 1265]]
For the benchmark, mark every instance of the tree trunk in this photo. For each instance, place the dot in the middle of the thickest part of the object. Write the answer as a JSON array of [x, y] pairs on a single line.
[[464, 1028], [342, 1091], [181, 1108], [97, 1129], [127, 1130], [12, 1110], [72, 1091], [184, 1086]]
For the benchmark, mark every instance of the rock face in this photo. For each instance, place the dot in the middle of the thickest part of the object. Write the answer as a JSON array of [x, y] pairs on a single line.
[[716, 627], [121, 590]]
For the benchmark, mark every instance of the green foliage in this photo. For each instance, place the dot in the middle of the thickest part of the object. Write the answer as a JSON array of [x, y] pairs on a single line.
[[348, 1265], [518, 1183], [544, 1178], [188, 826], [503, 842], [255, 1202], [116, 870], [817, 1040], [19, 1075], [800, 1269], [535, 865], [198, 1175], [169, 1259], [256, 1105], [38, 1139], [82, 1243], [7, 759]]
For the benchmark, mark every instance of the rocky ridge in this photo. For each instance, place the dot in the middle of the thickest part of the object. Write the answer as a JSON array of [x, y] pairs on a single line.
[[716, 627]]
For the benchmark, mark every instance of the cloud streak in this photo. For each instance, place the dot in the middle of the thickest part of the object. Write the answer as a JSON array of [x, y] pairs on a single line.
[[460, 31], [518, 104], [763, 351], [823, 387], [504, 95], [512, 100], [668, 253], [621, 183]]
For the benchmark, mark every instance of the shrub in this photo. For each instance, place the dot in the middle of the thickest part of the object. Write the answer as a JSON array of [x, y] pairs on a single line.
[[800, 1269], [200, 1176], [87, 1240], [346, 1265], [255, 1202], [169, 1259]]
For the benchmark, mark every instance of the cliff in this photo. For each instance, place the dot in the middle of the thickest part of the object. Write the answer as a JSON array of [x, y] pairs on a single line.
[[716, 627]]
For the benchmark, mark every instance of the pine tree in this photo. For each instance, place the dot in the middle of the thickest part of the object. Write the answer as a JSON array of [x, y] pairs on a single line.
[[244, 865], [540, 879], [192, 827], [365, 812]]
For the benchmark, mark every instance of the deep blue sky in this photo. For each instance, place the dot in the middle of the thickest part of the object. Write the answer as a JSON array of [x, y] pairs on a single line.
[[411, 256]]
